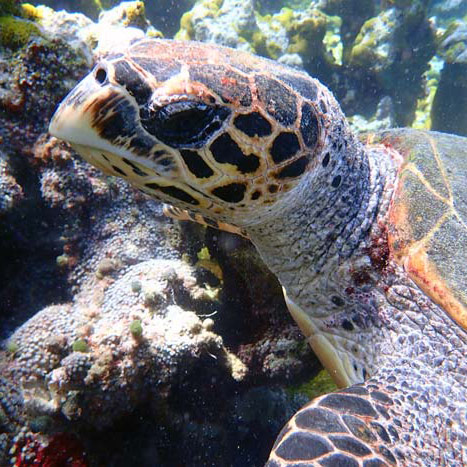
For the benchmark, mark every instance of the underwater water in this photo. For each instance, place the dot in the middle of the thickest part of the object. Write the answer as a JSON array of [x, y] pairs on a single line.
[[129, 337]]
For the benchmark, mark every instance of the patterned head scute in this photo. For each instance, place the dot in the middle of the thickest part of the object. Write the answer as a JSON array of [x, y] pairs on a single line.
[[203, 127]]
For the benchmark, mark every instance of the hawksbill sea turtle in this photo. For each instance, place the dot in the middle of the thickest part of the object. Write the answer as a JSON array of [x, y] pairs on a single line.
[[368, 239]]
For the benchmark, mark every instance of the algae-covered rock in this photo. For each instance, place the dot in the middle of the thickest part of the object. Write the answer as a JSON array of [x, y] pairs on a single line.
[[353, 14], [224, 22], [453, 46], [11, 192], [375, 47], [17, 32], [394, 48], [449, 111]]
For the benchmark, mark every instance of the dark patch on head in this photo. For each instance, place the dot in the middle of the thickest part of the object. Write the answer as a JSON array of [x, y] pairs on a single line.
[[253, 124], [309, 126], [347, 325], [141, 144], [294, 169], [273, 188], [226, 151], [119, 170], [126, 76], [284, 147], [279, 102], [196, 164], [243, 67], [174, 192], [186, 124], [229, 85], [306, 87], [161, 70], [336, 181], [115, 119], [134, 167], [232, 193], [157, 154], [166, 162], [255, 195], [326, 159]]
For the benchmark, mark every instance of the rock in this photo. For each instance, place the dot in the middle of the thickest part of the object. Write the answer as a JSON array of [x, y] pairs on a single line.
[[450, 102], [394, 48], [10, 191]]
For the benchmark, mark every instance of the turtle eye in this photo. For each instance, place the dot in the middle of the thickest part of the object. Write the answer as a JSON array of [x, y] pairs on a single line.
[[184, 124], [101, 75]]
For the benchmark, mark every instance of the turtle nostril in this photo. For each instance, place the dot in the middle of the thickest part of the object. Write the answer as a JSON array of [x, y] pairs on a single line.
[[101, 75]]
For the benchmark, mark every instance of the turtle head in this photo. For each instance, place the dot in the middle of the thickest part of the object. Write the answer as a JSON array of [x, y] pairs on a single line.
[[206, 128]]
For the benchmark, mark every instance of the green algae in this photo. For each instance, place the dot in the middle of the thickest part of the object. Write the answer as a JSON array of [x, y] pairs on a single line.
[[16, 33], [12, 347], [80, 345], [136, 328], [317, 386]]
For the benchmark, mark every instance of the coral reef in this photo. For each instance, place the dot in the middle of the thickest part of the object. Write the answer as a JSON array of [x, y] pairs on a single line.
[[88, 354], [10, 191]]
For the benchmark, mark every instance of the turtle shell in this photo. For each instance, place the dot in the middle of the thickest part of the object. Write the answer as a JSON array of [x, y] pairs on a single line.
[[427, 232]]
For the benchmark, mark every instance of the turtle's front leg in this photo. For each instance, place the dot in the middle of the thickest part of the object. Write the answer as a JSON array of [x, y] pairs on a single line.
[[403, 416]]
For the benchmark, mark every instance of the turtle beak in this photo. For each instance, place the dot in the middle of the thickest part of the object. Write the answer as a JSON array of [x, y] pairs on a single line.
[[72, 121]]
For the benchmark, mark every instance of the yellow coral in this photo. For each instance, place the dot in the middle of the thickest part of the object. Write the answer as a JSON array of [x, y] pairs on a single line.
[[306, 35], [134, 11], [205, 9], [31, 12], [186, 31]]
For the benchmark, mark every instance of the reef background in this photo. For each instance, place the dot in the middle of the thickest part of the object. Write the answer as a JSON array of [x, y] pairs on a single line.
[[130, 339]]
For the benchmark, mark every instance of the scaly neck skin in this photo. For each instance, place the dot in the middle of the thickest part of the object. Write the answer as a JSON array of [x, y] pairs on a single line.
[[318, 246], [328, 224]]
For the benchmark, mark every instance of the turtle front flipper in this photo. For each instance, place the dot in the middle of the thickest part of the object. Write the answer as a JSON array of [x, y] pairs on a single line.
[[393, 419]]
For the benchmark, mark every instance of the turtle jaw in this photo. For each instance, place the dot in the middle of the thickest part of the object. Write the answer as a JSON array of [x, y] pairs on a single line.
[[72, 121]]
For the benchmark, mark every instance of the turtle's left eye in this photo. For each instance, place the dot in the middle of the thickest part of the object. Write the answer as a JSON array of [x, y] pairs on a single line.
[[184, 124]]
